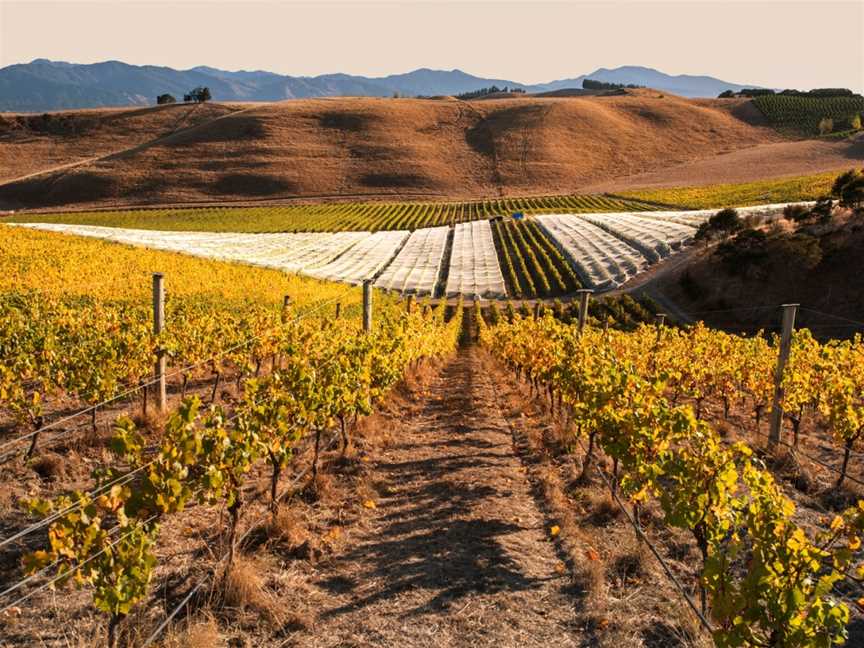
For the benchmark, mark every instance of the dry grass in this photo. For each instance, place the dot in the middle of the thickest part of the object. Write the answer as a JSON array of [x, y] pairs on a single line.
[[322, 488], [289, 529], [790, 467], [241, 589], [152, 422], [764, 173], [376, 146], [603, 509], [27, 146], [194, 633], [629, 562]]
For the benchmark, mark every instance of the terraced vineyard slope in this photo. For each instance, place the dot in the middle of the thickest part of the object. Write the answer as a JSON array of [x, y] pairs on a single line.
[[804, 114]]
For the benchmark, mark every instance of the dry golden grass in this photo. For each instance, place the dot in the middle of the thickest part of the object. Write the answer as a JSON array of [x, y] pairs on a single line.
[[241, 588], [288, 529], [322, 488], [195, 633], [375, 146], [603, 509], [29, 143]]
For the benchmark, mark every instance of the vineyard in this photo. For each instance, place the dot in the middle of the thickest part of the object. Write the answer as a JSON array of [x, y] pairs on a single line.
[[532, 265], [242, 418], [717, 196], [804, 114], [417, 267], [249, 381], [338, 217], [474, 268], [533, 256], [765, 576]]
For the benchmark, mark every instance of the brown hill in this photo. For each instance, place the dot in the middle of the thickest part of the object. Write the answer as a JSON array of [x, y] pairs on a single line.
[[372, 146], [31, 143]]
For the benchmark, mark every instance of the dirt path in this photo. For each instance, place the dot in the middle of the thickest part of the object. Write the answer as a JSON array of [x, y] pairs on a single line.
[[129, 150], [457, 553]]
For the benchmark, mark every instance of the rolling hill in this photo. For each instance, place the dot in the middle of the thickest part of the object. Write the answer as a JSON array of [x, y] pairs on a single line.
[[33, 143], [378, 147]]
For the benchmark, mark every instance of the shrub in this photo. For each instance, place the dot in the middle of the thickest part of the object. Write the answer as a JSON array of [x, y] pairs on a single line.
[[842, 180], [855, 122], [796, 213], [826, 125], [852, 194], [755, 92], [849, 188], [803, 249], [747, 249], [723, 222], [823, 208], [831, 92], [165, 99]]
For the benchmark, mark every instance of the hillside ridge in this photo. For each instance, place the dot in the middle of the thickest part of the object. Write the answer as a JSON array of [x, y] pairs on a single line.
[[43, 85], [443, 148]]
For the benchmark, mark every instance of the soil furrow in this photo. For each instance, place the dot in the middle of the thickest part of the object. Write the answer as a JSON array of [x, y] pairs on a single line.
[[456, 552]]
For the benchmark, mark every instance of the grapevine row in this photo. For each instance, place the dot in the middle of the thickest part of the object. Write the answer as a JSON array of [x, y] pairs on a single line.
[[763, 580], [94, 351], [804, 114], [533, 266], [324, 376], [337, 217]]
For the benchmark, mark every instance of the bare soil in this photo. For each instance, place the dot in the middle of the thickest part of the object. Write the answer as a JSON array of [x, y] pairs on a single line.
[[456, 552]]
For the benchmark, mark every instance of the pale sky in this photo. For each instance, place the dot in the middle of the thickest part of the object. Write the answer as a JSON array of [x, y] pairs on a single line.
[[774, 43]]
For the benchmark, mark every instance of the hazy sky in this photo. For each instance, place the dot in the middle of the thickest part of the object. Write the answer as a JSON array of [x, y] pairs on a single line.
[[778, 43]]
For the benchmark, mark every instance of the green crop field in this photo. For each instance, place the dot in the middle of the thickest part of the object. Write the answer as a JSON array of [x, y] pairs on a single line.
[[804, 114], [336, 217], [531, 264]]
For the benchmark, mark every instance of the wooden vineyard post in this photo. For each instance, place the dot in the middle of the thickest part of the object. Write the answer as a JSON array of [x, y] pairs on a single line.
[[158, 327], [584, 296], [789, 311], [338, 310], [409, 305], [286, 305], [659, 322], [537, 310], [367, 305]]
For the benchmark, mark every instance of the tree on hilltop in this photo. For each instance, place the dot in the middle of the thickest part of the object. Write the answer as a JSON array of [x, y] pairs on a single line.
[[198, 95]]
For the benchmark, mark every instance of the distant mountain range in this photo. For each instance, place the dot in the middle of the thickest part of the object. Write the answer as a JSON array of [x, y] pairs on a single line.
[[54, 85]]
